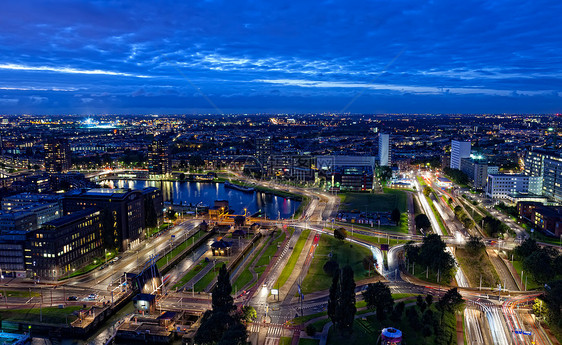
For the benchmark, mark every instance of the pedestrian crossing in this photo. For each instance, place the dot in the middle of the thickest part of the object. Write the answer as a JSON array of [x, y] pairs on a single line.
[[275, 330], [271, 341], [254, 328]]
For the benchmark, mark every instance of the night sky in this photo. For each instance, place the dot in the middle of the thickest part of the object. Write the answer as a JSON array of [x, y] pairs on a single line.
[[166, 57]]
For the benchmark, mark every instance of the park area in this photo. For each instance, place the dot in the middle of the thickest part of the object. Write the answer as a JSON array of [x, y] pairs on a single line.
[[344, 253], [371, 202]]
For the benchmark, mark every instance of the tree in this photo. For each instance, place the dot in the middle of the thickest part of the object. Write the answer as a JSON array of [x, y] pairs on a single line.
[[369, 263], [340, 234], [310, 330], [346, 301], [249, 313], [474, 245], [182, 176], [222, 325], [539, 264], [333, 297], [451, 301], [494, 227], [331, 268], [422, 222], [526, 248], [395, 215], [378, 296], [456, 175], [426, 191], [221, 299], [341, 300], [171, 214], [429, 300], [552, 299], [420, 302]]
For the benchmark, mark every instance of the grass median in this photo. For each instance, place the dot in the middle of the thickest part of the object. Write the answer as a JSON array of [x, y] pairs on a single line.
[[288, 269], [192, 273], [178, 249], [46, 314], [262, 261], [202, 284], [344, 253], [476, 266]]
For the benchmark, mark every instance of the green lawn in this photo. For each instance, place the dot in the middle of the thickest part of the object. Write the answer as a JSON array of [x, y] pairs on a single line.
[[476, 266], [344, 253], [385, 202], [153, 231], [19, 293], [377, 239], [178, 249], [192, 273], [421, 181], [285, 340], [50, 314], [202, 284], [246, 276], [288, 269]]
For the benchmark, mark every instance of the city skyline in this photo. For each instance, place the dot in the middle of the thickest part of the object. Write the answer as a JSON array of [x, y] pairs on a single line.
[[214, 57]]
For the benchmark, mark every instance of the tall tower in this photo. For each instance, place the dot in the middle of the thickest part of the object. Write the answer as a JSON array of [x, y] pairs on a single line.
[[385, 152], [57, 155], [263, 151], [159, 158], [459, 149]]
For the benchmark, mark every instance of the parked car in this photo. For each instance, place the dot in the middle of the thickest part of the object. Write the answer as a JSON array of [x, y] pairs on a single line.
[[72, 298], [92, 296]]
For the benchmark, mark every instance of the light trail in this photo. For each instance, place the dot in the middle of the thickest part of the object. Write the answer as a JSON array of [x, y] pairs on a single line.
[[459, 276]]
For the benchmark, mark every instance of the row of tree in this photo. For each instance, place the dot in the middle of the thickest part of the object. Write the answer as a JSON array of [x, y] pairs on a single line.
[[463, 217], [432, 255], [456, 176], [542, 263]]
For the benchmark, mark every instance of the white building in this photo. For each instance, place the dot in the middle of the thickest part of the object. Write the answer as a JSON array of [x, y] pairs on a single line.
[[459, 149], [384, 150], [501, 185]]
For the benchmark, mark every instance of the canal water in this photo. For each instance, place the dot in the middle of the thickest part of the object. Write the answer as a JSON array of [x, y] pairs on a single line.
[[207, 192]]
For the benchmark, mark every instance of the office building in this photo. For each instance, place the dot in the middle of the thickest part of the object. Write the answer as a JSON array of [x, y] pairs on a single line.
[[546, 218], [476, 169], [65, 244], [351, 178], [547, 165], [159, 163], [552, 177], [57, 155], [123, 211], [500, 186], [153, 206], [385, 151], [459, 150]]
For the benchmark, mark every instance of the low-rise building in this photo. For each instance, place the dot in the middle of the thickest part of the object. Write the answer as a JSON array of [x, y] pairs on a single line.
[[547, 218], [501, 185]]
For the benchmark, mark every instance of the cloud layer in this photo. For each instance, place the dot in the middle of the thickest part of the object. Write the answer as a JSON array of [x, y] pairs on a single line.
[[280, 56]]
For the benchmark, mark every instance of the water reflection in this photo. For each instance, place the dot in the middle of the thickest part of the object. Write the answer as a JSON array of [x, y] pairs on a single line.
[[208, 192]]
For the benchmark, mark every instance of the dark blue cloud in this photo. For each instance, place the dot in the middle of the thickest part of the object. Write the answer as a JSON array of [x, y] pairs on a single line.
[[297, 56]]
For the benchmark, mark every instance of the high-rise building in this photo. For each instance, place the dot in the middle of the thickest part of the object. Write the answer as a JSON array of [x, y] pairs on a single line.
[[57, 155], [263, 151], [159, 163], [459, 150], [546, 165], [385, 152], [476, 168], [552, 177]]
